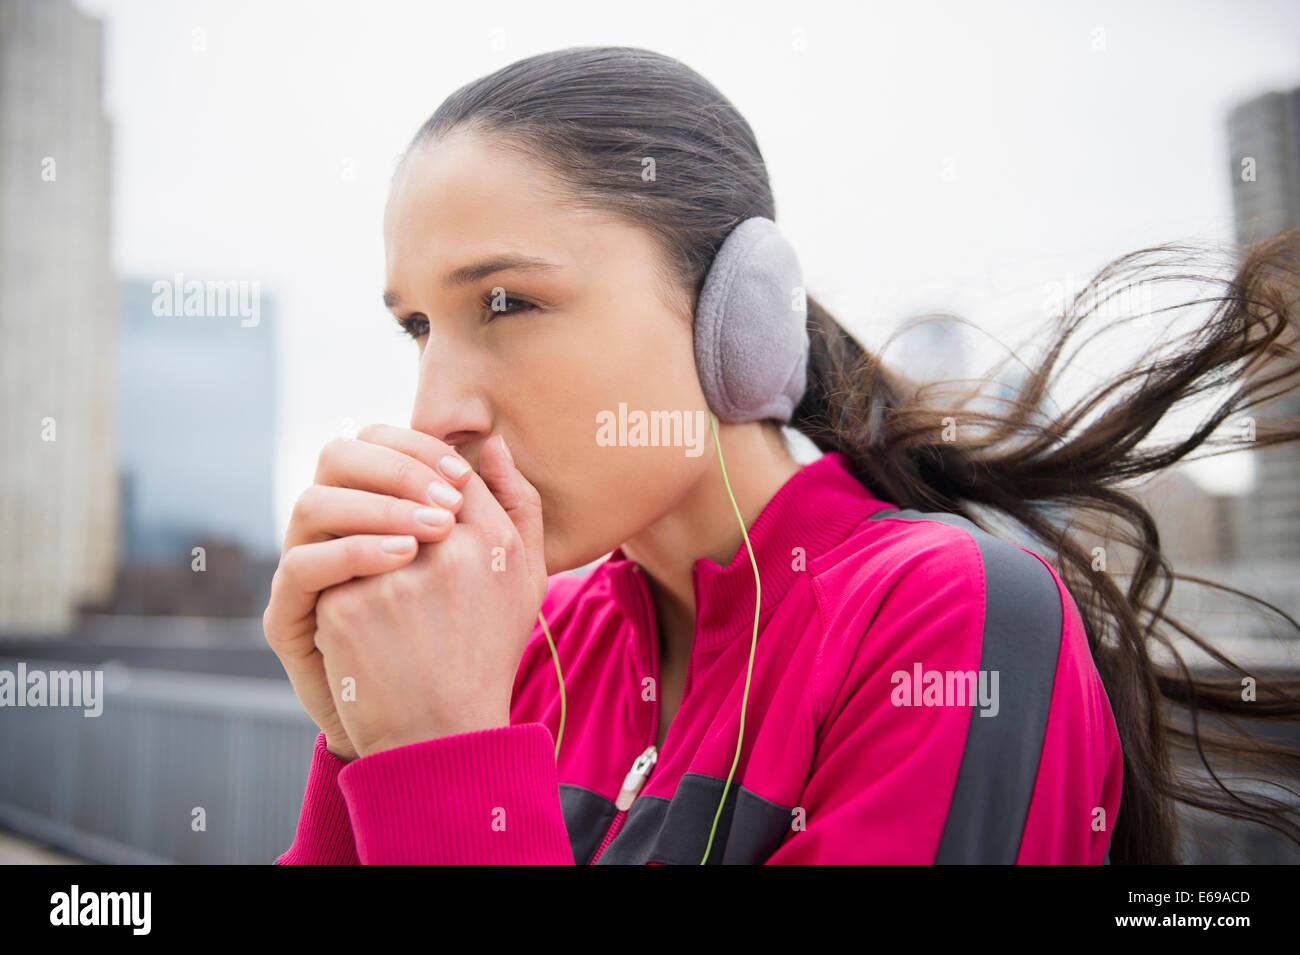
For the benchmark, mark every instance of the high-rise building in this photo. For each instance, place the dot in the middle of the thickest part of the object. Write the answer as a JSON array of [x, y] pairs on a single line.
[[1264, 134], [58, 318], [196, 427]]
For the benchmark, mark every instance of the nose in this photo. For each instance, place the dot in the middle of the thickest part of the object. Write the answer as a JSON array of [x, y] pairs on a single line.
[[450, 401]]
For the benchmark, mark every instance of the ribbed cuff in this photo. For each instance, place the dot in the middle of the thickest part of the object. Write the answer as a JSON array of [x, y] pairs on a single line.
[[490, 796], [324, 829]]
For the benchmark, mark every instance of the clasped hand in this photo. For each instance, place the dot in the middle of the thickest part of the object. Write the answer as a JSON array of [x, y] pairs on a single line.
[[387, 648]]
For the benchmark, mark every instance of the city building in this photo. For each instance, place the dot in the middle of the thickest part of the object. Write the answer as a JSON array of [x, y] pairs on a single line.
[[58, 322], [1264, 137]]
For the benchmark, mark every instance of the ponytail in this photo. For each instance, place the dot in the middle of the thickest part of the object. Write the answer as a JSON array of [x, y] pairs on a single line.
[[1018, 464]]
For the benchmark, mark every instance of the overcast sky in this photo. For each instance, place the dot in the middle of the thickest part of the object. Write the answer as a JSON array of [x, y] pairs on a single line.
[[255, 141]]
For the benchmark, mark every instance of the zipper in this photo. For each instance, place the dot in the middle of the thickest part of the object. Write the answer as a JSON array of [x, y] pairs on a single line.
[[640, 771], [627, 795]]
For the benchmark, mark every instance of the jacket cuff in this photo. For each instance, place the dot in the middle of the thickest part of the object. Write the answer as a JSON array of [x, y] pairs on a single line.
[[324, 831], [488, 796]]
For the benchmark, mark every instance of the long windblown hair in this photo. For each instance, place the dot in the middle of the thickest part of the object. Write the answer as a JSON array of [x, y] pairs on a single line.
[[591, 114]]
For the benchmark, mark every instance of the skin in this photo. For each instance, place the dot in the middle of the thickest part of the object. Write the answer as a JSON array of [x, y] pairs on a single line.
[[365, 492], [602, 330]]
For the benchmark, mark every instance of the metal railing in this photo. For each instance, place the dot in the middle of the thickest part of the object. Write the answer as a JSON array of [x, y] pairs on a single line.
[[124, 787], [169, 751]]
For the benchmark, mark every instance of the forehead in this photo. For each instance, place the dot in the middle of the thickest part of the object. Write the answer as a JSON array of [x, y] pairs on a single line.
[[465, 191], [467, 199]]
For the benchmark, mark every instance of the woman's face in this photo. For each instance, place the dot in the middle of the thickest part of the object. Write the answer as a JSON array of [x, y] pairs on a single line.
[[586, 329]]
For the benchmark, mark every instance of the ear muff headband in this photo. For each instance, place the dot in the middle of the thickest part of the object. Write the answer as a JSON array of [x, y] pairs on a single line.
[[751, 326]]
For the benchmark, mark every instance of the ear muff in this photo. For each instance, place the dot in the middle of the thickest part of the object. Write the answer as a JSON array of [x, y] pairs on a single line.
[[751, 331]]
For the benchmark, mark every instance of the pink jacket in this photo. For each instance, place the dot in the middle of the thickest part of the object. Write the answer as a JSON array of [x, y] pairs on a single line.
[[877, 728]]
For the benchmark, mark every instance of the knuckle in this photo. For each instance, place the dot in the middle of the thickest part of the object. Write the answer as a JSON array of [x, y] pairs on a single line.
[[395, 512], [399, 584], [371, 433], [496, 547], [404, 471], [336, 605], [289, 568], [451, 550], [533, 496], [507, 542], [329, 454], [355, 550], [306, 506], [326, 610]]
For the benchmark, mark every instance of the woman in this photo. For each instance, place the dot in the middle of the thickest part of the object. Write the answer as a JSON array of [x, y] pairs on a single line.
[[834, 662]]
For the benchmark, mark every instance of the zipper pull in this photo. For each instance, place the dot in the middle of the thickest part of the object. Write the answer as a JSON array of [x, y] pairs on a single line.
[[636, 778]]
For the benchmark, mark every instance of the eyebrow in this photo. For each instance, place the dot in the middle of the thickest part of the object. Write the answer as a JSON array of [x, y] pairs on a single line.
[[480, 270]]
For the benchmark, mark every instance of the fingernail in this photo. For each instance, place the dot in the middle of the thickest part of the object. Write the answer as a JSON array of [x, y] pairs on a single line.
[[440, 493], [398, 545], [506, 448], [433, 516], [453, 466]]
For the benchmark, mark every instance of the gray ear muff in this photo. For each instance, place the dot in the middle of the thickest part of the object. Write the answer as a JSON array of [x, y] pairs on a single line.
[[751, 334]]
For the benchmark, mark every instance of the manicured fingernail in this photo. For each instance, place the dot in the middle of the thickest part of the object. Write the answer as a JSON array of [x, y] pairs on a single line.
[[434, 516], [398, 545], [453, 466], [506, 448], [440, 493]]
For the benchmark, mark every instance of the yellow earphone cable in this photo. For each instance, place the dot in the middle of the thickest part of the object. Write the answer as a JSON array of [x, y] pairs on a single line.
[[753, 648], [559, 676]]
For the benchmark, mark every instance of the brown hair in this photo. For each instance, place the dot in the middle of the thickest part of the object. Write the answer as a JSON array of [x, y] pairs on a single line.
[[592, 114]]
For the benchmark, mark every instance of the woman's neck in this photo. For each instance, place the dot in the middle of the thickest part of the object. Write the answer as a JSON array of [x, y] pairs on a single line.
[[704, 524]]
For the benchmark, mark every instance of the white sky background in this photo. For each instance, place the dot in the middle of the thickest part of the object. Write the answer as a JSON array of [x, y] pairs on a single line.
[[229, 163]]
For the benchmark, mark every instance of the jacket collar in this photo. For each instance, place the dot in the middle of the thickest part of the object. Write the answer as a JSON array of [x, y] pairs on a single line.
[[812, 512]]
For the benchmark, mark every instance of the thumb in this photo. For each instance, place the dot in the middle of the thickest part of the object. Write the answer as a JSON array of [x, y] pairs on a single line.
[[518, 498]]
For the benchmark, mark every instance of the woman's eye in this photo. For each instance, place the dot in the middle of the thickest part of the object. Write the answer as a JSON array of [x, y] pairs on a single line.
[[415, 327], [500, 304]]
